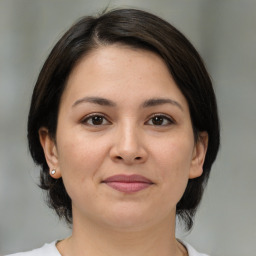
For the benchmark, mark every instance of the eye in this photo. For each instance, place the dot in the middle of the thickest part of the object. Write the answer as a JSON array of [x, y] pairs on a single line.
[[160, 120], [95, 120]]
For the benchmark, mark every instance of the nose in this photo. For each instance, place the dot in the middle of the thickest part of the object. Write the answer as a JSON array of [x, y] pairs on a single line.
[[128, 146]]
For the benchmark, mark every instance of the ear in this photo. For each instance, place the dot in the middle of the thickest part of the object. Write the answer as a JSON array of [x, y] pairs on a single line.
[[199, 153], [50, 152]]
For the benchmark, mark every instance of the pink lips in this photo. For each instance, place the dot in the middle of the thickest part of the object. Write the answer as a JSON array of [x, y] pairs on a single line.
[[128, 183]]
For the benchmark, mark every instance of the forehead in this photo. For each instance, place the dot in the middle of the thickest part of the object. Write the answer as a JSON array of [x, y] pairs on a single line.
[[112, 71], [119, 57]]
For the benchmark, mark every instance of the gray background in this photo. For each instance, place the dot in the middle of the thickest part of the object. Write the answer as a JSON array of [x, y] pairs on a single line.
[[224, 32]]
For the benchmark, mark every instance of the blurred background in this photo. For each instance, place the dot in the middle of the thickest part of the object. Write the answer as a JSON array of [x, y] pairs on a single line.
[[223, 31]]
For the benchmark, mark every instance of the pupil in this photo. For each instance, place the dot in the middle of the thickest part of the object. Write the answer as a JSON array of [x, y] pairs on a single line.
[[97, 120], [157, 120]]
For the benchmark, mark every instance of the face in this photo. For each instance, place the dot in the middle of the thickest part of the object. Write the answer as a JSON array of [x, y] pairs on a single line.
[[124, 144]]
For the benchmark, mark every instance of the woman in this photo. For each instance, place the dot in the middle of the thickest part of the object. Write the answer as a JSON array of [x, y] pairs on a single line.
[[123, 122]]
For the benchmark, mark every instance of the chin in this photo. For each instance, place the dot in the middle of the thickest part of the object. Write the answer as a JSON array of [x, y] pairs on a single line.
[[129, 219]]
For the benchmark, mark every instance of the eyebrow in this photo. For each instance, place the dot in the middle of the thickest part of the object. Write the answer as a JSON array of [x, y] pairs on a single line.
[[95, 100], [161, 101], [148, 103]]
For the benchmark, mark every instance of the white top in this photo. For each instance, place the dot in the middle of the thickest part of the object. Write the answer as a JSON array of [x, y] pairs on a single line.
[[51, 250]]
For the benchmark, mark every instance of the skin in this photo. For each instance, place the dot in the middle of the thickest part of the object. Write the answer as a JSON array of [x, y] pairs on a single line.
[[127, 139]]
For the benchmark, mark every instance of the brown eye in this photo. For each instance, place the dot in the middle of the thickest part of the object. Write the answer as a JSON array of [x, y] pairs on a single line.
[[95, 120], [160, 120], [157, 120]]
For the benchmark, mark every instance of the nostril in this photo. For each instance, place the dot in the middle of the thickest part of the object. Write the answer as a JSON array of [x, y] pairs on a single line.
[[136, 158]]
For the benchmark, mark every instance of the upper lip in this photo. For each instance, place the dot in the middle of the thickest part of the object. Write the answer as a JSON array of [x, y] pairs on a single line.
[[127, 179]]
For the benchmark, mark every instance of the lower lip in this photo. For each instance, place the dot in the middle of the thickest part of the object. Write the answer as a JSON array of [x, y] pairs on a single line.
[[128, 187]]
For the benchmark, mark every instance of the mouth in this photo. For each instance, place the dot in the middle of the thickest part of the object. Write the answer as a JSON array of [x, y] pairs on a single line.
[[128, 183]]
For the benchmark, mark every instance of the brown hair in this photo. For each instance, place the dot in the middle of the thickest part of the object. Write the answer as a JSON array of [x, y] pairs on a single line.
[[137, 29]]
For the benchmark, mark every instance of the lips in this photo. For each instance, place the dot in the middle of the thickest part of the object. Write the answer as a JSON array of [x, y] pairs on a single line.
[[128, 183]]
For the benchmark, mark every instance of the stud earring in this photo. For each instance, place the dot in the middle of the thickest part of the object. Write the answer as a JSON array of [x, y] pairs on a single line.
[[53, 172]]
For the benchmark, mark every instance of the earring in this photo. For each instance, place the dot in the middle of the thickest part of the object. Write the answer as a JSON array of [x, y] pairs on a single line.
[[53, 172]]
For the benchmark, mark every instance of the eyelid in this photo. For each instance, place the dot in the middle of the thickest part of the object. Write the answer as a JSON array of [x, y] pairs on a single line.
[[87, 117], [169, 118]]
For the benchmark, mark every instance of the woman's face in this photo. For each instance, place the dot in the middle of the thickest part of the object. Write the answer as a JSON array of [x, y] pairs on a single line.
[[124, 144]]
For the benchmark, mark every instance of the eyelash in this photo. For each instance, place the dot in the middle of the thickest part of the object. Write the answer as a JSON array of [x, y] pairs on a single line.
[[89, 117], [84, 121], [164, 117]]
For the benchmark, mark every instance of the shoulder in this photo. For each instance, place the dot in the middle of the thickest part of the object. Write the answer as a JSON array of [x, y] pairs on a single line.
[[48, 249], [192, 251]]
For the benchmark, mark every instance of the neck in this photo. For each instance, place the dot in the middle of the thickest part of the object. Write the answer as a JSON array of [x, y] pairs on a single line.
[[89, 238]]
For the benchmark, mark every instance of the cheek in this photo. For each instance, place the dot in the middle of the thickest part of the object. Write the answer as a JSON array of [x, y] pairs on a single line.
[[80, 157], [79, 162], [175, 153], [173, 160]]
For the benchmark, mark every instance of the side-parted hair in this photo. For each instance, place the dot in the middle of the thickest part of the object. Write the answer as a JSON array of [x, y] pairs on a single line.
[[139, 30]]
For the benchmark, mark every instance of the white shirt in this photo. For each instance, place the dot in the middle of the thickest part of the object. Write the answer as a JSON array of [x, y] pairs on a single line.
[[51, 250]]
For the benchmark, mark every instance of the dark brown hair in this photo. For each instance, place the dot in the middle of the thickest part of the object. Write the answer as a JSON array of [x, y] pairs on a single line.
[[141, 30]]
